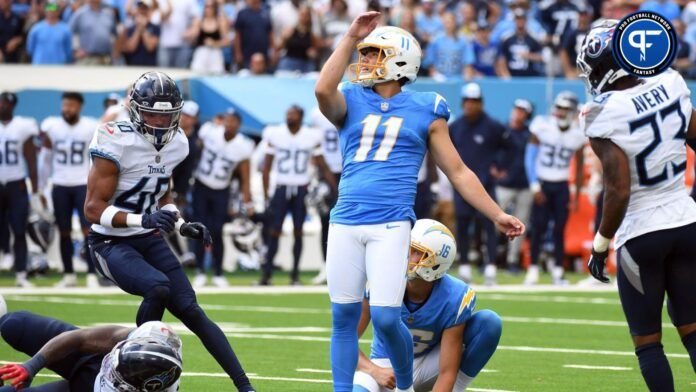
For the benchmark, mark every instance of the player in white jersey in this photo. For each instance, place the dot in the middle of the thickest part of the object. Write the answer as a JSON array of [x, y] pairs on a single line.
[[17, 162], [638, 129], [331, 150], [129, 202], [108, 358], [554, 141], [64, 159], [292, 147], [225, 150]]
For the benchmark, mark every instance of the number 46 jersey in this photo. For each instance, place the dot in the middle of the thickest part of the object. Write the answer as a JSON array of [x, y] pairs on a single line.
[[648, 122], [144, 172]]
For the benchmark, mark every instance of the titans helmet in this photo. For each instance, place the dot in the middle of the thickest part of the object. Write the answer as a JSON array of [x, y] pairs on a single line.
[[145, 365], [565, 108], [155, 106], [598, 68], [40, 231]]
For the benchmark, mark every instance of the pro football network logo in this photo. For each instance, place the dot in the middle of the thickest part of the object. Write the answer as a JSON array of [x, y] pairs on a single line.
[[646, 43]]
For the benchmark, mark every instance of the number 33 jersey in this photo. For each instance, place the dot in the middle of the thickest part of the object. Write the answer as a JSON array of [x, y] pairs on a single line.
[[383, 142], [648, 122], [220, 157], [144, 172]]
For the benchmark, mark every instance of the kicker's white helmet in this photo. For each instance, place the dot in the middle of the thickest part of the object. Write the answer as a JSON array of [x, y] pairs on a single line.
[[437, 244], [399, 57]]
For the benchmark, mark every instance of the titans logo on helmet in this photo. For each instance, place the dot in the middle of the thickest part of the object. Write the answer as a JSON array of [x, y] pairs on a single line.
[[595, 46]]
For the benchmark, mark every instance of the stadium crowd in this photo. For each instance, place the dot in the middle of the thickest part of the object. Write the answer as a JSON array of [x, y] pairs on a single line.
[[461, 39]]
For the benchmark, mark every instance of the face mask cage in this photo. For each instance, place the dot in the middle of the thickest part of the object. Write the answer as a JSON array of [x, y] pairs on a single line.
[[366, 73], [427, 260], [157, 125]]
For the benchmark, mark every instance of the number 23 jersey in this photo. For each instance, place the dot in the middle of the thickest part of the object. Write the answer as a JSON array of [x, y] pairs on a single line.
[[648, 122], [144, 172], [383, 142]]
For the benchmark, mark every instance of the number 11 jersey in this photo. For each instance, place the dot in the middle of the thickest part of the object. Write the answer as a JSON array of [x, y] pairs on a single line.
[[648, 122], [144, 172], [383, 142]]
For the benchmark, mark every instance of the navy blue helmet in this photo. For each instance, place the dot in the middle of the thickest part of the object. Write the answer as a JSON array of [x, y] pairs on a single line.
[[155, 107], [145, 365], [598, 68]]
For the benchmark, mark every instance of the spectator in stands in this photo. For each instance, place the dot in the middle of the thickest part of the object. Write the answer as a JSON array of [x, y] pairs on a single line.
[[300, 44], [428, 23], [520, 54], [572, 42], [448, 55], [682, 62], [177, 32], [50, 41], [467, 21], [512, 189], [11, 37], [478, 138], [95, 27], [140, 40], [667, 8], [254, 34], [334, 25], [558, 18], [485, 52], [505, 26], [285, 15], [212, 36], [257, 66]]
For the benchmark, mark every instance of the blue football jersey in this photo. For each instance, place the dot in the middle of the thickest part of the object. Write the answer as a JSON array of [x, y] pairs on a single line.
[[383, 142], [451, 303]]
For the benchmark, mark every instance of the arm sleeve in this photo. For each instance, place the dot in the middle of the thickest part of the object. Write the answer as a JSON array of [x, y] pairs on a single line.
[[467, 303], [530, 156], [45, 166]]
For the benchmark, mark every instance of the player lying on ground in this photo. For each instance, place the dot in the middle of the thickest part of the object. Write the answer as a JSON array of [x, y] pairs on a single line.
[[101, 359], [129, 202], [384, 133], [451, 343], [638, 128]]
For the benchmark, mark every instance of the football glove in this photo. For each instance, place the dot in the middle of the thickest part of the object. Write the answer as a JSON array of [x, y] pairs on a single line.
[[596, 265], [196, 231], [161, 219], [20, 376]]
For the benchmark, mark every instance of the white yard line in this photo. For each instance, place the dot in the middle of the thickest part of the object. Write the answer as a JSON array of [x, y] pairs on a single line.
[[550, 298], [590, 367], [305, 370]]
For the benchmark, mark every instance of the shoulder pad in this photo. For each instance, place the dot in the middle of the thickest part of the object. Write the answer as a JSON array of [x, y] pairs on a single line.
[[592, 120]]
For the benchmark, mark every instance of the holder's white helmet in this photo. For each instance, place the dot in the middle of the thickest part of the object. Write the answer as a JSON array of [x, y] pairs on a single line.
[[438, 248], [399, 57]]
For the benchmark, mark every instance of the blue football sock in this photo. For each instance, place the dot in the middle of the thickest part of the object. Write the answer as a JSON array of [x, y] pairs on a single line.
[[655, 367], [690, 344], [481, 338], [344, 344], [387, 322]]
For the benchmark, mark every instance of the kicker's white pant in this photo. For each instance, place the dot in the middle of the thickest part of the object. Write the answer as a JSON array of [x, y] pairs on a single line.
[[377, 254], [425, 372]]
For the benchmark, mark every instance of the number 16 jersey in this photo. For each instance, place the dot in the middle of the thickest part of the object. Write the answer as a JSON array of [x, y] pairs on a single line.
[[383, 142], [144, 172], [648, 122]]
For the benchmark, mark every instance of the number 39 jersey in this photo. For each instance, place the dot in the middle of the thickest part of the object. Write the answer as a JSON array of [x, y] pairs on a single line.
[[292, 153], [13, 167], [556, 147], [144, 172], [648, 122], [220, 157], [383, 142], [70, 144]]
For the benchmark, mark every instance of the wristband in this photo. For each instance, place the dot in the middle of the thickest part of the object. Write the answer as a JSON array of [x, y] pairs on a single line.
[[600, 243], [134, 220], [535, 187], [179, 223], [35, 364], [107, 216]]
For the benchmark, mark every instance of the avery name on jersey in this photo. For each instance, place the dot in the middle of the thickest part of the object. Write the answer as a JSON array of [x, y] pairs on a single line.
[[650, 99], [156, 170]]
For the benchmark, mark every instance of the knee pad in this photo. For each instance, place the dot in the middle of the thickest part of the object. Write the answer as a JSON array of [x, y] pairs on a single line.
[[345, 317], [385, 318], [491, 322]]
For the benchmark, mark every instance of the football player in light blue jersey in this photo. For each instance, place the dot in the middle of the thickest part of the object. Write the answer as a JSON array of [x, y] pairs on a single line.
[[384, 133], [451, 343]]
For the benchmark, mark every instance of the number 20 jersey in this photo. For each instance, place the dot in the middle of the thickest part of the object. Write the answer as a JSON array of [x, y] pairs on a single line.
[[383, 142], [648, 122], [144, 172]]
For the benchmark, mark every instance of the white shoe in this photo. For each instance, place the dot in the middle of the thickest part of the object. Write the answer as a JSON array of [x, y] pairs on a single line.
[[532, 276], [21, 281], [489, 274], [465, 273], [320, 278], [220, 281], [69, 280], [92, 281], [557, 276], [200, 280], [6, 262]]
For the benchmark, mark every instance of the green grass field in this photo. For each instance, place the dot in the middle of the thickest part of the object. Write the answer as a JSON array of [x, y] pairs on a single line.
[[283, 339]]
